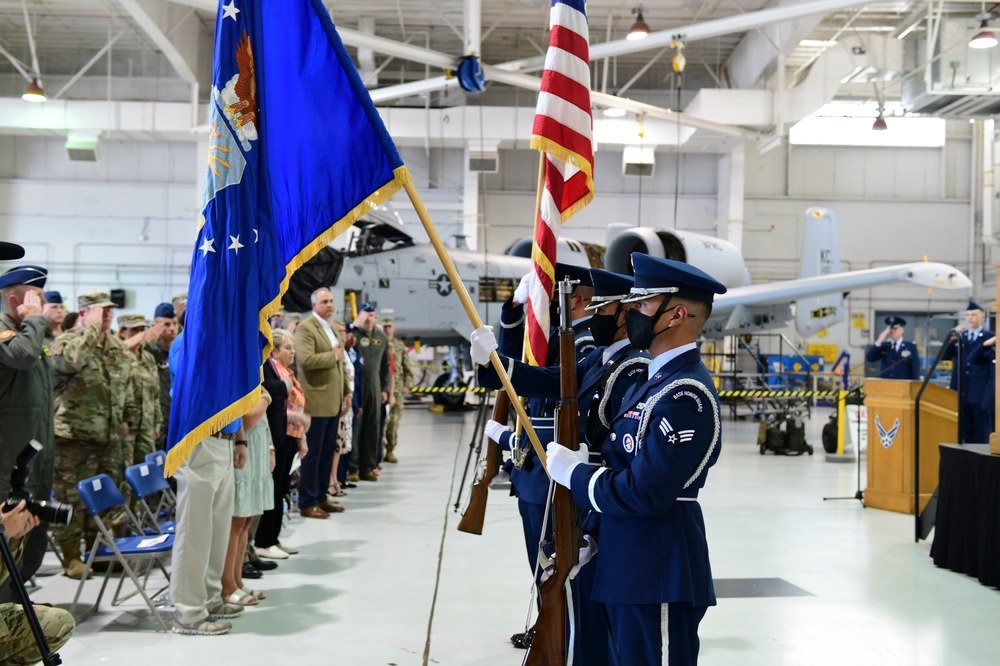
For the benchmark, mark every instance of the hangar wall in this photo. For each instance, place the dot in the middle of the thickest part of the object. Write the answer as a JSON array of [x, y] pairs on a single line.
[[84, 220]]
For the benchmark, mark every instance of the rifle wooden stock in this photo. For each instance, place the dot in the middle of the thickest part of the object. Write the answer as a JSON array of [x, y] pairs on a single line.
[[548, 647], [475, 513]]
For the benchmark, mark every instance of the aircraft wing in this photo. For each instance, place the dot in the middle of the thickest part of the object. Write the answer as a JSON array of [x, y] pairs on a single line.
[[762, 306]]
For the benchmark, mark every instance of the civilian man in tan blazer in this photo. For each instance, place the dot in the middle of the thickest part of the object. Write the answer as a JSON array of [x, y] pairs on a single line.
[[319, 357]]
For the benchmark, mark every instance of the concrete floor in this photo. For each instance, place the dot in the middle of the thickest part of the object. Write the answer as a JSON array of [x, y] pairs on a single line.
[[392, 582]]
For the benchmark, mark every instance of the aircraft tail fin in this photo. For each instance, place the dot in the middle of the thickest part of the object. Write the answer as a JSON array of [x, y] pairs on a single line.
[[820, 256]]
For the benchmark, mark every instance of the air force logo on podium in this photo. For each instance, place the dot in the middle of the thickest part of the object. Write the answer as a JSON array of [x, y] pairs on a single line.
[[887, 437]]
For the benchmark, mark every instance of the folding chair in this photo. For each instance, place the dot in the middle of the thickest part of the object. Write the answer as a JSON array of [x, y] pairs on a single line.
[[146, 480], [168, 500], [99, 493]]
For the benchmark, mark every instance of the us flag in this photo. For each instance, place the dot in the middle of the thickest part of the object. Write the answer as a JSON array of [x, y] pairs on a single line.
[[563, 132]]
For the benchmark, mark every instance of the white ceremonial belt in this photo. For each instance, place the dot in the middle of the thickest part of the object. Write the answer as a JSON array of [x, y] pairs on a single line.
[[687, 499]]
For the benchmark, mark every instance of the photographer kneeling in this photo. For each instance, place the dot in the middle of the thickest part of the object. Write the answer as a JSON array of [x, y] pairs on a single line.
[[17, 644]]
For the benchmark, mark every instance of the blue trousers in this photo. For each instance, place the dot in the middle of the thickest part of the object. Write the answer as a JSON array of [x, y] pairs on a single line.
[[314, 475], [654, 634]]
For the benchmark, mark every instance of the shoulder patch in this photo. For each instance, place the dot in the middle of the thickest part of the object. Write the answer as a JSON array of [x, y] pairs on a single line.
[[691, 395], [7, 335]]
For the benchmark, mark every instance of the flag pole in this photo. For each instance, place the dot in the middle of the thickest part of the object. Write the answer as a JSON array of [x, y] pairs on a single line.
[[518, 427], [472, 313]]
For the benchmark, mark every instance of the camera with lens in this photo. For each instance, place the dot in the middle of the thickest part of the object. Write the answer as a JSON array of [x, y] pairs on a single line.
[[49, 511]]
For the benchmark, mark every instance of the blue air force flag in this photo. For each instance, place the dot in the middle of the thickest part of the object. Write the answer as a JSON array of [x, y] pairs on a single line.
[[297, 153]]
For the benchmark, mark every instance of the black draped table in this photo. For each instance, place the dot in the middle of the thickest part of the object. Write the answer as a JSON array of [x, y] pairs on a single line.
[[967, 529]]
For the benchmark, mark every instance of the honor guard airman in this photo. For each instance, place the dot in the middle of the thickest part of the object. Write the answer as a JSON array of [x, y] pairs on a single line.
[[898, 357], [971, 379], [603, 377], [653, 574]]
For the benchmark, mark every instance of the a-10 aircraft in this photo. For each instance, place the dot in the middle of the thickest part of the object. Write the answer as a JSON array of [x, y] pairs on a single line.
[[386, 266]]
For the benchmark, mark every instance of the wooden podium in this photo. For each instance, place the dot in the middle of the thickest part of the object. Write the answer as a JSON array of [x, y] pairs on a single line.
[[890, 406]]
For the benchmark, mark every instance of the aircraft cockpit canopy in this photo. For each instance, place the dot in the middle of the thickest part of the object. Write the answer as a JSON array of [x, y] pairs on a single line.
[[372, 235]]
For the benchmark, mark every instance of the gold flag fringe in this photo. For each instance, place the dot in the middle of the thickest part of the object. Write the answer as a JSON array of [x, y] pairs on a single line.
[[563, 154]]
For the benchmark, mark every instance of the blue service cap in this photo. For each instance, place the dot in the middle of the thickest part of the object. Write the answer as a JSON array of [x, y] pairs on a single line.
[[9, 251], [165, 310], [366, 307], [975, 306], [53, 297], [892, 321], [655, 276], [30, 275], [609, 287], [580, 273]]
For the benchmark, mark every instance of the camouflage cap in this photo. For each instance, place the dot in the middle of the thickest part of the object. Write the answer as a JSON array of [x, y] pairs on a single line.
[[388, 321], [89, 298], [178, 298], [132, 320]]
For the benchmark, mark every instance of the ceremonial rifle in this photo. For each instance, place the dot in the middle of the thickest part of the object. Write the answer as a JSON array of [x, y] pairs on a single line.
[[548, 647], [475, 513]]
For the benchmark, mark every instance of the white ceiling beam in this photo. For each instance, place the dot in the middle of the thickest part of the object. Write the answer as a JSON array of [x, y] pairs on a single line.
[[702, 30], [18, 65], [90, 63], [153, 19]]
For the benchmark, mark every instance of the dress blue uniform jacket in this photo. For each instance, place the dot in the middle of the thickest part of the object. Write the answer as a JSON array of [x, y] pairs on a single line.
[[626, 367], [904, 364], [975, 377], [986, 357], [652, 544], [511, 337]]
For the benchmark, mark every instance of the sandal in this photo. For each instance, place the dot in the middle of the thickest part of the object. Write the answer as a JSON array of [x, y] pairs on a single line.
[[241, 598], [259, 596]]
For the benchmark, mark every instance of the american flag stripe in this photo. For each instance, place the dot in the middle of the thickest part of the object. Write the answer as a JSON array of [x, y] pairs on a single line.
[[563, 129], [567, 64]]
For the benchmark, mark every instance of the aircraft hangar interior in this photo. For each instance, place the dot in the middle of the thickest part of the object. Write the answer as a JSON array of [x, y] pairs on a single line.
[[822, 172]]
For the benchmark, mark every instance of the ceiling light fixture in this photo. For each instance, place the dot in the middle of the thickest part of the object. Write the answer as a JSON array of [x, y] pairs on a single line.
[[33, 92], [879, 124], [640, 28], [984, 37]]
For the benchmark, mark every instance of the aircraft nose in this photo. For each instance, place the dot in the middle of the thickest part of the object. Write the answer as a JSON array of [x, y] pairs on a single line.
[[941, 276]]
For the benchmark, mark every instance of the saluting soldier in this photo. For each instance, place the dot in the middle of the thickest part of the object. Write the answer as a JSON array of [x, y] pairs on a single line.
[[975, 377], [92, 369], [899, 357], [159, 338], [653, 574], [56, 312], [145, 420], [25, 391], [374, 348], [401, 381]]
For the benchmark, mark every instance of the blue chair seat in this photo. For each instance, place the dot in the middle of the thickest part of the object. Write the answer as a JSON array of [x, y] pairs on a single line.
[[168, 527], [129, 547]]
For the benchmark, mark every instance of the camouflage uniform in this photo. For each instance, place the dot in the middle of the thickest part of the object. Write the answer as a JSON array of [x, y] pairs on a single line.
[[145, 419], [92, 399], [17, 643], [403, 375], [161, 357]]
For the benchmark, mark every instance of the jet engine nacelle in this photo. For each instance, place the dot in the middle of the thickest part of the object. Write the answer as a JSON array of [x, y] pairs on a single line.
[[719, 258]]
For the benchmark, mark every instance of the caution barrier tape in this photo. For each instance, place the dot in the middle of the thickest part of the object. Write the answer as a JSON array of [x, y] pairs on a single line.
[[778, 394], [447, 389]]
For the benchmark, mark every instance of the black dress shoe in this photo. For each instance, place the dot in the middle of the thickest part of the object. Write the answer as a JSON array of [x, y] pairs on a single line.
[[250, 572], [348, 484], [264, 565], [523, 641]]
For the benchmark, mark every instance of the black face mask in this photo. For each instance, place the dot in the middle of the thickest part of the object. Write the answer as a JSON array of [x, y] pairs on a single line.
[[640, 327], [604, 328]]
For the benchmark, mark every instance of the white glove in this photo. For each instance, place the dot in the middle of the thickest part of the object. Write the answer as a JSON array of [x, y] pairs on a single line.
[[521, 293], [494, 429], [484, 343], [587, 552], [562, 461]]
